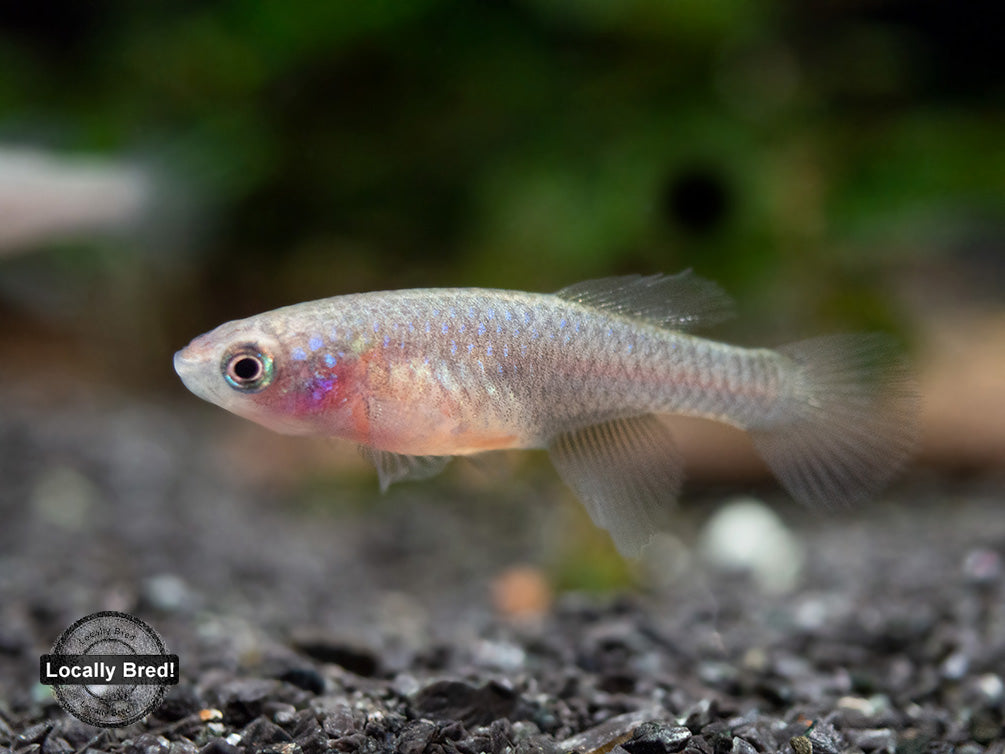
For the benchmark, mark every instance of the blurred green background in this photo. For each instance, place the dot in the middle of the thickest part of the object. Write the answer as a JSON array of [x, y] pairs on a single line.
[[809, 156]]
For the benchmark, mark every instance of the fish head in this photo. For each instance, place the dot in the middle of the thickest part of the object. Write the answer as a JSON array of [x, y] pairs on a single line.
[[245, 367]]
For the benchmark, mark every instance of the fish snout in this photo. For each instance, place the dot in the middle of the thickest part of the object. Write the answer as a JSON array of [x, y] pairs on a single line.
[[182, 362], [202, 350], [194, 364], [187, 359]]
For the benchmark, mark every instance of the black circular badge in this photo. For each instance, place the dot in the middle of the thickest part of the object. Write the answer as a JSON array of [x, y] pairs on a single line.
[[109, 669]]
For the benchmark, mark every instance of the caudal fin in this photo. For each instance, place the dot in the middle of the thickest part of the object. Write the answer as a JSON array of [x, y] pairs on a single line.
[[852, 425]]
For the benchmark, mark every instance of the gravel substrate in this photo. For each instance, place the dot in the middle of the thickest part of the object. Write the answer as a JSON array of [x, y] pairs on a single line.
[[371, 626]]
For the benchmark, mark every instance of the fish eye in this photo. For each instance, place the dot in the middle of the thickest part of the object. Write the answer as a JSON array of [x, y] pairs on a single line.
[[247, 368]]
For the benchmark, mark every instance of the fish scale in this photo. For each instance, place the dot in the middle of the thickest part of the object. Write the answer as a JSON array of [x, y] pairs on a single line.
[[418, 376]]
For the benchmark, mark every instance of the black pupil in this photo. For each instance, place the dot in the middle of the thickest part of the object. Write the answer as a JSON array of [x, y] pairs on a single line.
[[247, 368]]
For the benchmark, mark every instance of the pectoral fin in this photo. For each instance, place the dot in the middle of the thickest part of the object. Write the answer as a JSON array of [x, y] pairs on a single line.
[[626, 471], [395, 467]]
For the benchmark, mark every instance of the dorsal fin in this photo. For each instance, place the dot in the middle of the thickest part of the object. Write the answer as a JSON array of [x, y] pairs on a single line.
[[679, 302]]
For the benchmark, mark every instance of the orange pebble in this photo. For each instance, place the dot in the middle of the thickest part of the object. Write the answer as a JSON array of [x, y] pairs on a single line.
[[521, 592]]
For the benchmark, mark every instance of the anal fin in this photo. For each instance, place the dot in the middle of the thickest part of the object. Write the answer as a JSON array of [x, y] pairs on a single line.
[[395, 467], [627, 472]]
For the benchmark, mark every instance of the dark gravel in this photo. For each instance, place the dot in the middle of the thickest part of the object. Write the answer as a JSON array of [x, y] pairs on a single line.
[[370, 627]]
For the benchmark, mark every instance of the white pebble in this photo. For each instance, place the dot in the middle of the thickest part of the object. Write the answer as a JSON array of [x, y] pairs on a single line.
[[745, 535]]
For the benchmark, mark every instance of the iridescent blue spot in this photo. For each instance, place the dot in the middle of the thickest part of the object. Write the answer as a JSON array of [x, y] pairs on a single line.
[[453, 347], [387, 340], [505, 350], [453, 312], [488, 350], [315, 342], [376, 326], [428, 327], [481, 328], [577, 327], [321, 389], [630, 347], [500, 369], [509, 314], [561, 324], [471, 311], [298, 354], [446, 328], [498, 328], [436, 313], [480, 365], [491, 314], [470, 346], [330, 360], [533, 332], [461, 327]]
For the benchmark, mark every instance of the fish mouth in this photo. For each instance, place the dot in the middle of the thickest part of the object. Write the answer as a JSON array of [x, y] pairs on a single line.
[[179, 361], [191, 365], [185, 363], [197, 355]]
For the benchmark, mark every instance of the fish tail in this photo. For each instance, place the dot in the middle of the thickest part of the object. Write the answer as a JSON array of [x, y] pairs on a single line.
[[850, 424]]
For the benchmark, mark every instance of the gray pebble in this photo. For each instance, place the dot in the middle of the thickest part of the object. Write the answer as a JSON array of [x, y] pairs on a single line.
[[657, 738]]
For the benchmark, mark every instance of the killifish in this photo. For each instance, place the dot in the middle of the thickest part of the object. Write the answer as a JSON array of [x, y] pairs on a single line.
[[46, 197], [418, 376]]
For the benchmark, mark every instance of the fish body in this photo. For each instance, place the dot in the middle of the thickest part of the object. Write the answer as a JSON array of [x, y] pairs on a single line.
[[418, 376]]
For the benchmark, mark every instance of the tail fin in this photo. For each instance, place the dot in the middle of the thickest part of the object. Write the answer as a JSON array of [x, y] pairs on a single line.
[[852, 425]]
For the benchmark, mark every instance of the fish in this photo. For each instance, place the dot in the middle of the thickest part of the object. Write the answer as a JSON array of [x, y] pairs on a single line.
[[419, 376], [47, 197]]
